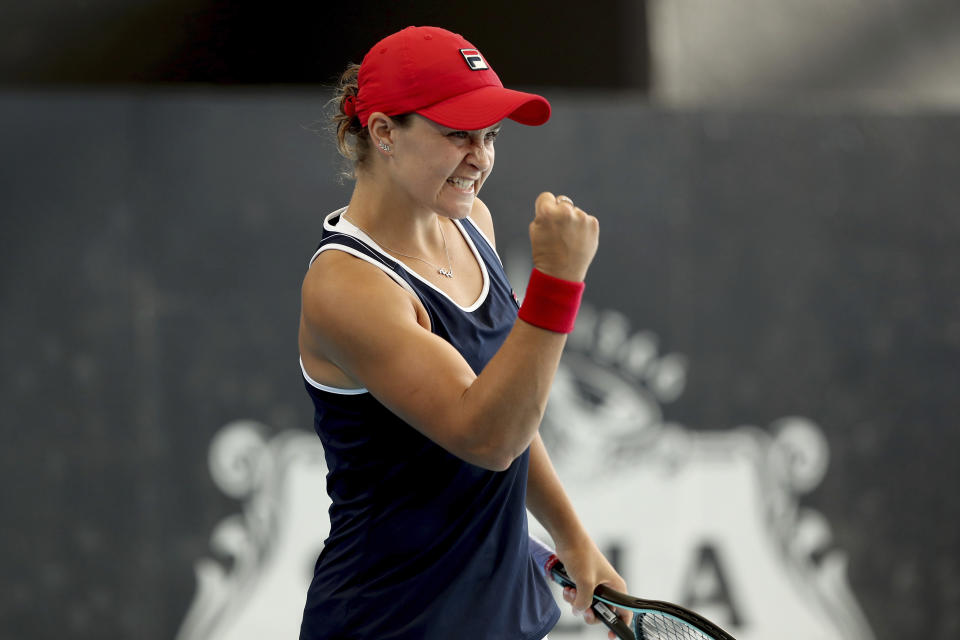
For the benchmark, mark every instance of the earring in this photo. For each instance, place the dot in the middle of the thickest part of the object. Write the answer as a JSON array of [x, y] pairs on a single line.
[[383, 146]]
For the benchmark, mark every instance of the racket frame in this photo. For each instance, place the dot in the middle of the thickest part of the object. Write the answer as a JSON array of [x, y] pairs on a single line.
[[615, 598], [605, 595]]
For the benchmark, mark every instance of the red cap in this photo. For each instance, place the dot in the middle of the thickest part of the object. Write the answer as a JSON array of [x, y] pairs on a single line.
[[441, 76]]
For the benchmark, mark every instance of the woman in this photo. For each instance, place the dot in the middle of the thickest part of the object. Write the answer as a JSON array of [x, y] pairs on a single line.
[[428, 388]]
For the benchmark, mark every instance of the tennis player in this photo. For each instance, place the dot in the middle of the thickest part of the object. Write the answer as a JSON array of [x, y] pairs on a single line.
[[429, 383]]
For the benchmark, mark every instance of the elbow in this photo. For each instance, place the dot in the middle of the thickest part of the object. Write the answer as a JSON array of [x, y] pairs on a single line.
[[493, 454], [492, 461], [500, 462], [494, 442]]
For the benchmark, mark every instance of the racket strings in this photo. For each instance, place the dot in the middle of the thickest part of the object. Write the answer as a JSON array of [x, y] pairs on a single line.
[[656, 626]]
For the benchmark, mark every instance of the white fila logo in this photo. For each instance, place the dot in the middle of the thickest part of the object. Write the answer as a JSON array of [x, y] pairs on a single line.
[[474, 60]]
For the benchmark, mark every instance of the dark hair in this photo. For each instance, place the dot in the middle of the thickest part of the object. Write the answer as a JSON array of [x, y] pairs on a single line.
[[353, 140]]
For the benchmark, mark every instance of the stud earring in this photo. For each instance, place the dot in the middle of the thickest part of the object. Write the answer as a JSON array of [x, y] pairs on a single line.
[[383, 146]]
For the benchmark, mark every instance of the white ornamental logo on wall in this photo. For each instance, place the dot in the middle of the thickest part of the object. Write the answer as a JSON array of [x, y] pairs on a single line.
[[710, 520]]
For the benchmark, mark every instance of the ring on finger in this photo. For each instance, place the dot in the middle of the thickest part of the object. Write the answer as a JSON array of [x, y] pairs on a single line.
[[565, 199]]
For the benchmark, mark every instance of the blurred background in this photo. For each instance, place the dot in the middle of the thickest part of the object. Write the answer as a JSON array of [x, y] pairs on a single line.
[[766, 367]]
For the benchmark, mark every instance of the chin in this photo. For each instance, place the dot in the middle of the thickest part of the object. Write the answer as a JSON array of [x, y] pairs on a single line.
[[456, 212]]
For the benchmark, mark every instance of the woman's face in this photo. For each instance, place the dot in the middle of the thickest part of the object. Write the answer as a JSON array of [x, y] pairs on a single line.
[[441, 168]]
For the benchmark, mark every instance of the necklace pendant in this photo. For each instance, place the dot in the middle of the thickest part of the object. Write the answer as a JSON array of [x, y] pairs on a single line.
[[445, 272]]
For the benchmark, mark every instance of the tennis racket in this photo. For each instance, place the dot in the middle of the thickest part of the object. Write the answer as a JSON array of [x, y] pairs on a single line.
[[652, 619]]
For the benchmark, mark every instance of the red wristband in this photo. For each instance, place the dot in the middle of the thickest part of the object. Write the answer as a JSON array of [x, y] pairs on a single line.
[[551, 303]]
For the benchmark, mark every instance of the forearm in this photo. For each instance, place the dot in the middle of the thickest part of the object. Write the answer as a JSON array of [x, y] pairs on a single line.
[[548, 501], [549, 504], [505, 404]]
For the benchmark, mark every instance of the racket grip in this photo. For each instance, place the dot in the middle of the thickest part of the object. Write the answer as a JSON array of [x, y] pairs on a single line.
[[612, 620], [603, 611], [548, 561]]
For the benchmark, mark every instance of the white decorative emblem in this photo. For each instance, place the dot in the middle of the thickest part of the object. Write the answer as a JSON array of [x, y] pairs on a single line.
[[474, 60], [706, 519], [269, 548]]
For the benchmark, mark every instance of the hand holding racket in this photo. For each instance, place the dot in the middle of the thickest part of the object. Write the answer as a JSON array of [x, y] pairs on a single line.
[[652, 619]]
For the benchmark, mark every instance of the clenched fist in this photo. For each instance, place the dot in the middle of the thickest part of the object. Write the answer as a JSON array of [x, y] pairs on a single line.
[[563, 237]]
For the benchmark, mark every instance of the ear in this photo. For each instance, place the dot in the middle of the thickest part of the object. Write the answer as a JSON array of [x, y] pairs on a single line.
[[381, 129]]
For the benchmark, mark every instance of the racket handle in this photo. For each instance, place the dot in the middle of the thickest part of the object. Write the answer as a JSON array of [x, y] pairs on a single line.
[[548, 561], [612, 620], [603, 611]]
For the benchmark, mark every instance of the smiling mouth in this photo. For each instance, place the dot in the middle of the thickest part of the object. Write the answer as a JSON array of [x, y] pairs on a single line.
[[463, 184]]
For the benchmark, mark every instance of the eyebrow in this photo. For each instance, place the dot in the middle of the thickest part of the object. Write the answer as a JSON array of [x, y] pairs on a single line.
[[492, 129]]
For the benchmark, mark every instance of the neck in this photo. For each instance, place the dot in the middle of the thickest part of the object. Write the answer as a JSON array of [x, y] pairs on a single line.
[[391, 219]]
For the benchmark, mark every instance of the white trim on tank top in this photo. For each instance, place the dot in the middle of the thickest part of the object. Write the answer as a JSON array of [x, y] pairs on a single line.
[[345, 227], [328, 388], [349, 229]]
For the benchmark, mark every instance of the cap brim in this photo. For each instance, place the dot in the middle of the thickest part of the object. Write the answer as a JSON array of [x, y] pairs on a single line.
[[487, 106]]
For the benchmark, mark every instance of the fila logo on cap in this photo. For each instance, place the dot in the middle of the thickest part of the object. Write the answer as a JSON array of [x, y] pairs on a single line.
[[474, 60]]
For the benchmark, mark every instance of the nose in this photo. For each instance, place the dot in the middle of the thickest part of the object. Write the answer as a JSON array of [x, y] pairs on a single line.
[[480, 157]]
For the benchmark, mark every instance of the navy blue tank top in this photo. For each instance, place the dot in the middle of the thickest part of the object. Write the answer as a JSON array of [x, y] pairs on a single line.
[[422, 544]]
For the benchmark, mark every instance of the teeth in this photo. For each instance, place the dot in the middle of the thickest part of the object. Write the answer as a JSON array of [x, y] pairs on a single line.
[[461, 183]]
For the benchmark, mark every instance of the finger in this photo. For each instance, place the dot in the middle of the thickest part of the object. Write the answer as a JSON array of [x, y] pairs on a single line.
[[570, 595], [545, 199], [547, 204], [582, 602], [590, 616]]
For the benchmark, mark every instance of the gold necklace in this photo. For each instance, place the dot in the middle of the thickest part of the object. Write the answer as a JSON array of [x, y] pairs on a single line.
[[448, 272]]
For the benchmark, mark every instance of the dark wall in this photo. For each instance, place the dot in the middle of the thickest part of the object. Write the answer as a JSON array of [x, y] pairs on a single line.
[[557, 43], [153, 245]]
